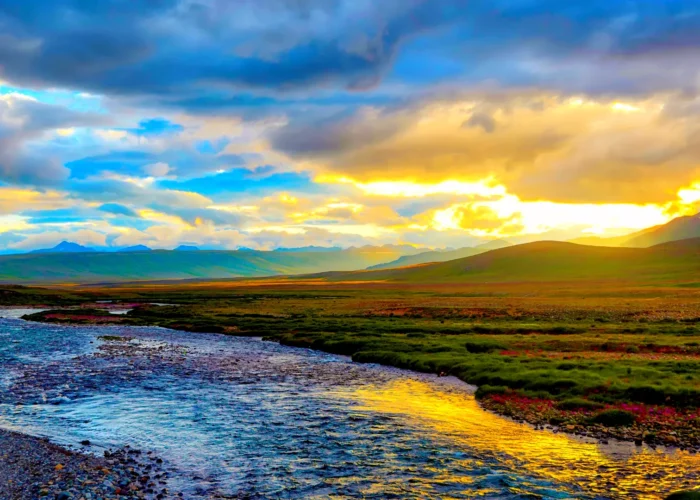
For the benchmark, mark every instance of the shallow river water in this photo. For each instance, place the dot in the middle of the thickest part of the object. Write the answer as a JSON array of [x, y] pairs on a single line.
[[242, 417]]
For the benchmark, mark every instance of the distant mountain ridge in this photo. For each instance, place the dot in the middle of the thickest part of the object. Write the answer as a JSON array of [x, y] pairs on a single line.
[[92, 266], [186, 248], [680, 228], [65, 247], [311, 248], [136, 248]]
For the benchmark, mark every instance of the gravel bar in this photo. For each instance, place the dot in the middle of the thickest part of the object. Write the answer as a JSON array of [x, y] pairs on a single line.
[[32, 468]]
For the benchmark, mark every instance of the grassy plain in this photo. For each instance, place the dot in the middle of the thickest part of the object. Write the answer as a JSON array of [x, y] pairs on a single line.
[[605, 358]]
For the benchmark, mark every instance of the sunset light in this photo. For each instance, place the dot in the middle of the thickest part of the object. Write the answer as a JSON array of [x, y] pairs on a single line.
[[339, 249]]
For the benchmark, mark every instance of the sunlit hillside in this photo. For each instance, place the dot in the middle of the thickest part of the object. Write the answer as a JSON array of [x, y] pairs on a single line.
[[553, 261]]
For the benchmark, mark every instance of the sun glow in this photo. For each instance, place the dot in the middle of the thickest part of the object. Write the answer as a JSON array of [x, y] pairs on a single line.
[[690, 195], [12, 223], [626, 108], [411, 189], [489, 210], [511, 216]]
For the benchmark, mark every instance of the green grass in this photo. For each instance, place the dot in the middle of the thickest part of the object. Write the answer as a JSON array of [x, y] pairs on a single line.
[[570, 349]]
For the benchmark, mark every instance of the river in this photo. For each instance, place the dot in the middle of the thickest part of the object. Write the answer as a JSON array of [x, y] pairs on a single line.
[[243, 417]]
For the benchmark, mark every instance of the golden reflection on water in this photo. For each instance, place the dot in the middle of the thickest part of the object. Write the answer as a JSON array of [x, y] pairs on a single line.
[[611, 471]]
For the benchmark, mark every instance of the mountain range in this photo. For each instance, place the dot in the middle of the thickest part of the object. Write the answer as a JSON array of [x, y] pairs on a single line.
[[86, 265], [71, 262], [65, 247], [135, 248]]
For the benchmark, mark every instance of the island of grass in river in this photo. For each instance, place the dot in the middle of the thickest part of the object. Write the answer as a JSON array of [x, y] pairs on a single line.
[[588, 358]]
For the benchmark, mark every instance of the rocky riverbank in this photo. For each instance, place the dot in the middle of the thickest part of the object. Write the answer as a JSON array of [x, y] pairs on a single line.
[[638, 423], [35, 468]]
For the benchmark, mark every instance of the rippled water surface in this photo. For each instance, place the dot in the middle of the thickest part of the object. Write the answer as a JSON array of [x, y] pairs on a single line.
[[236, 416]]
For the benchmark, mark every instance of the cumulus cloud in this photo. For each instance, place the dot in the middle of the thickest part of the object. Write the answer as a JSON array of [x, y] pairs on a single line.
[[23, 119], [120, 190], [117, 209], [482, 120], [345, 131], [199, 216], [546, 146], [159, 169], [17, 200], [429, 141]]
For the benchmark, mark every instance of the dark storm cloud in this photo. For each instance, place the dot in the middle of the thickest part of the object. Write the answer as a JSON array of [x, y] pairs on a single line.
[[343, 131], [170, 47]]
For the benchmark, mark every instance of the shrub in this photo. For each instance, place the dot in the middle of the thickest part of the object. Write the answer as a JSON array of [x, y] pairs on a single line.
[[564, 329], [551, 385], [614, 418], [483, 347], [437, 349], [684, 495], [204, 328], [487, 390], [646, 394], [578, 404]]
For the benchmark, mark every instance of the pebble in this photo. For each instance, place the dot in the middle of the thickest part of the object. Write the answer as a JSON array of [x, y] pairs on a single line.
[[35, 468]]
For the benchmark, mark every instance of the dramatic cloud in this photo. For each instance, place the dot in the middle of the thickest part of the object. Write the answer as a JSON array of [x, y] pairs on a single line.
[[280, 44], [266, 123], [561, 148]]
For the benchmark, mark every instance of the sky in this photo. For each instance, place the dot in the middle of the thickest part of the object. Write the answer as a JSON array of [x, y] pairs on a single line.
[[285, 123]]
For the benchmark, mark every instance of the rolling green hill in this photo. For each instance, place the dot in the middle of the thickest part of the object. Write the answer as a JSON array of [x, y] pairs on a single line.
[[168, 265], [441, 255], [551, 261]]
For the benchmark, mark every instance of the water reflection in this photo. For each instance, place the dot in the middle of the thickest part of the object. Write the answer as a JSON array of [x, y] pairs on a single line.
[[617, 470]]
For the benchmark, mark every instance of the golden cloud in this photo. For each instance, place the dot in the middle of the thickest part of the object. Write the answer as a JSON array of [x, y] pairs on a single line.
[[538, 147], [14, 200]]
